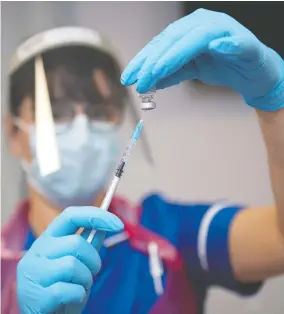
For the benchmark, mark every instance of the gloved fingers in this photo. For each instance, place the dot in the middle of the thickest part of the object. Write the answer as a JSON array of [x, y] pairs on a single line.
[[237, 48], [171, 33], [76, 246], [188, 72], [66, 269], [98, 239], [182, 52], [85, 233], [73, 218], [146, 69], [62, 293], [129, 75]]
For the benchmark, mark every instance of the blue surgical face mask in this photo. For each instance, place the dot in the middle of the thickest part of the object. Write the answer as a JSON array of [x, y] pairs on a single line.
[[88, 154]]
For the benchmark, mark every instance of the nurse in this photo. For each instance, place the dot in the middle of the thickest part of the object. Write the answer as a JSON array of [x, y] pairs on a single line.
[[199, 245]]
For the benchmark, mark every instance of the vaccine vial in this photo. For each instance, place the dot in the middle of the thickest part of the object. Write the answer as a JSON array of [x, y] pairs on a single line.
[[147, 102]]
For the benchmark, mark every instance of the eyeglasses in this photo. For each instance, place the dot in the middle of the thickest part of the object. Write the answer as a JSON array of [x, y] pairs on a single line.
[[65, 110]]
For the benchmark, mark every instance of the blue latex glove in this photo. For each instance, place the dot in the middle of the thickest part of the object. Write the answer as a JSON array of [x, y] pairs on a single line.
[[56, 274], [217, 50]]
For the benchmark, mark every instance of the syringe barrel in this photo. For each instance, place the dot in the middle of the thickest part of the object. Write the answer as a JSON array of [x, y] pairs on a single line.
[[97, 236], [128, 150]]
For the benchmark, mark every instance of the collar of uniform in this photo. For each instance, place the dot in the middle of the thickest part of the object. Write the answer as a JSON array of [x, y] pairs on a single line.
[[126, 211]]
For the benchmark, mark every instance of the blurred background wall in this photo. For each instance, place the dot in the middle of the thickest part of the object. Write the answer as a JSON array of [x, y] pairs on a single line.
[[205, 141]]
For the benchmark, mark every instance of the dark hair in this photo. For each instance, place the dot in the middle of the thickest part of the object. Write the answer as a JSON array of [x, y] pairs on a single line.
[[70, 70]]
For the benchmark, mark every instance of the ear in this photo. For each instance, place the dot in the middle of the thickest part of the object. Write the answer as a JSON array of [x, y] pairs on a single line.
[[13, 136]]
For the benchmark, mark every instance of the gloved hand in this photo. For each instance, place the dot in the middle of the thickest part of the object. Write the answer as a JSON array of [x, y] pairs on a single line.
[[217, 50], [55, 275]]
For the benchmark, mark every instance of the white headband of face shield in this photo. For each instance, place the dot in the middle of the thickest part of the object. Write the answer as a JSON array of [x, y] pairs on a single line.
[[56, 38]]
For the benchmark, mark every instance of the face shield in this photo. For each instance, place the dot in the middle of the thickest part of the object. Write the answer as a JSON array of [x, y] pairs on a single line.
[[74, 82], [68, 71]]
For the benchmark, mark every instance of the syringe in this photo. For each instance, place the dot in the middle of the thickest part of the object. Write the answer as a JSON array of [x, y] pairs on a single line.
[[115, 181]]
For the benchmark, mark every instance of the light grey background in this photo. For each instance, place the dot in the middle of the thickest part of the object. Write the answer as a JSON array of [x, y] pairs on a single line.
[[205, 141]]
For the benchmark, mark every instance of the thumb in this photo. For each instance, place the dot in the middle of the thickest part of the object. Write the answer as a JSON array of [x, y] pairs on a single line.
[[246, 49]]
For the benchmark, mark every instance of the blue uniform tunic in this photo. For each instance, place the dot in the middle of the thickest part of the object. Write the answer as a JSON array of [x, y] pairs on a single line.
[[200, 234]]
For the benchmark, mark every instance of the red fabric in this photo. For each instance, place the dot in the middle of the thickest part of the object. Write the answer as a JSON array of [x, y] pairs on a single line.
[[13, 237], [140, 238], [178, 297]]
